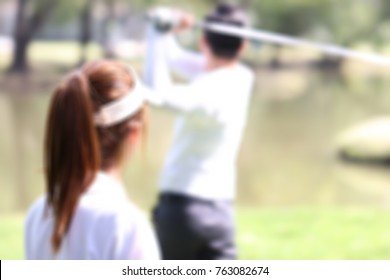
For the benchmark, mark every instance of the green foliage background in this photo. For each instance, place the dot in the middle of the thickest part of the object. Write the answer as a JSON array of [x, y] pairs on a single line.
[[344, 22]]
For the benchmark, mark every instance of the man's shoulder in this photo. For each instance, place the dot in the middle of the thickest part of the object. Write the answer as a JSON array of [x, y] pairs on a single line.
[[246, 70], [239, 70]]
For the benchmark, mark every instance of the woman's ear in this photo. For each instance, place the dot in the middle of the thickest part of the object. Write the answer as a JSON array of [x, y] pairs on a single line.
[[135, 132]]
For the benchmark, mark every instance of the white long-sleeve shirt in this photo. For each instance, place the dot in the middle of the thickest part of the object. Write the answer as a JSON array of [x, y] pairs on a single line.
[[212, 111], [104, 226]]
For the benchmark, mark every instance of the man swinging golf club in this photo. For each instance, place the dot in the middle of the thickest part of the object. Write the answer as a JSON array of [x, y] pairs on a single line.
[[194, 216]]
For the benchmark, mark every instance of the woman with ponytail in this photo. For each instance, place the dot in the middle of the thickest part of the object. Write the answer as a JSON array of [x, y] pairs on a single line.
[[95, 120]]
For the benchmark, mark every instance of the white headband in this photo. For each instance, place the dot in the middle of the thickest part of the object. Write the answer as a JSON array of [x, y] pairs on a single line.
[[122, 108]]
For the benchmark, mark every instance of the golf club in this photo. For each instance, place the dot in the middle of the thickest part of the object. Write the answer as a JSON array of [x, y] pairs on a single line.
[[164, 20]]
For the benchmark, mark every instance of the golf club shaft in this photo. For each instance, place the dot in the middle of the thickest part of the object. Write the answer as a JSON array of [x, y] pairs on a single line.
[[265, 36]]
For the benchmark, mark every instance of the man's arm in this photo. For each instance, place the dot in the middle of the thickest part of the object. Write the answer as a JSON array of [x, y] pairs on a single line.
[[184, 99], [156, 71], [163, 52], [185, 63]]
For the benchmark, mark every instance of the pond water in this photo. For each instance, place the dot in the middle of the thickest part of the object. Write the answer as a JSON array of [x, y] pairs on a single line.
[[287, 156]]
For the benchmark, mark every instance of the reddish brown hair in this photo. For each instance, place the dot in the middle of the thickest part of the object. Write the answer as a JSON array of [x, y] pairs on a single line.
[[75, 148]]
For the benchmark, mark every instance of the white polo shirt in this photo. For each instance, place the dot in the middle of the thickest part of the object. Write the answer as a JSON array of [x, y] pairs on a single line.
[[105, 226], [212, 111]]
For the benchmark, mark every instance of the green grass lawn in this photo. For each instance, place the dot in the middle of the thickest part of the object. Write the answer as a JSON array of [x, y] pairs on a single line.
[[314, 234], [303, 233], [11, 237]]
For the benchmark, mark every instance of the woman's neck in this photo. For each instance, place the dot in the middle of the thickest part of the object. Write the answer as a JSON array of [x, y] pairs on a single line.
[[115, 172]]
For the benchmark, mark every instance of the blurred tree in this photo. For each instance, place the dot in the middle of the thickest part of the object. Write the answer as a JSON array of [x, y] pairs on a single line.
[[351, 21], [344, 22], [81, 13], [67, 11], [30, 17], [382, 24], [108, 29], [347, 23], [290, 17], [85, 28]]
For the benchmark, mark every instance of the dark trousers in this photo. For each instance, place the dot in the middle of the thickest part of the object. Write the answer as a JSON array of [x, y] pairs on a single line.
[[189, 228]]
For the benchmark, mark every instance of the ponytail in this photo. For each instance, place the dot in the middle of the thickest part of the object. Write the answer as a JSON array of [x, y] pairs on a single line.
[[71, 152]]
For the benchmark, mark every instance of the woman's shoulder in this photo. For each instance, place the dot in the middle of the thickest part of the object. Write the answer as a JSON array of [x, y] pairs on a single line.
[[106, 202], [35, 218], [124, 228], [134, 230], [37, 209]]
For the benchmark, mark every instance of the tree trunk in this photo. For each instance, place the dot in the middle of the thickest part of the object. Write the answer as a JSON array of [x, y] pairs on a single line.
[[85, 29], [107, 29], [275, 62], [21, 37], [19, 62], [25, 29]]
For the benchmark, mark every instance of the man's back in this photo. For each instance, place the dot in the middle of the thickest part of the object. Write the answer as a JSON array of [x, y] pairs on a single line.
[[202, 159]]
